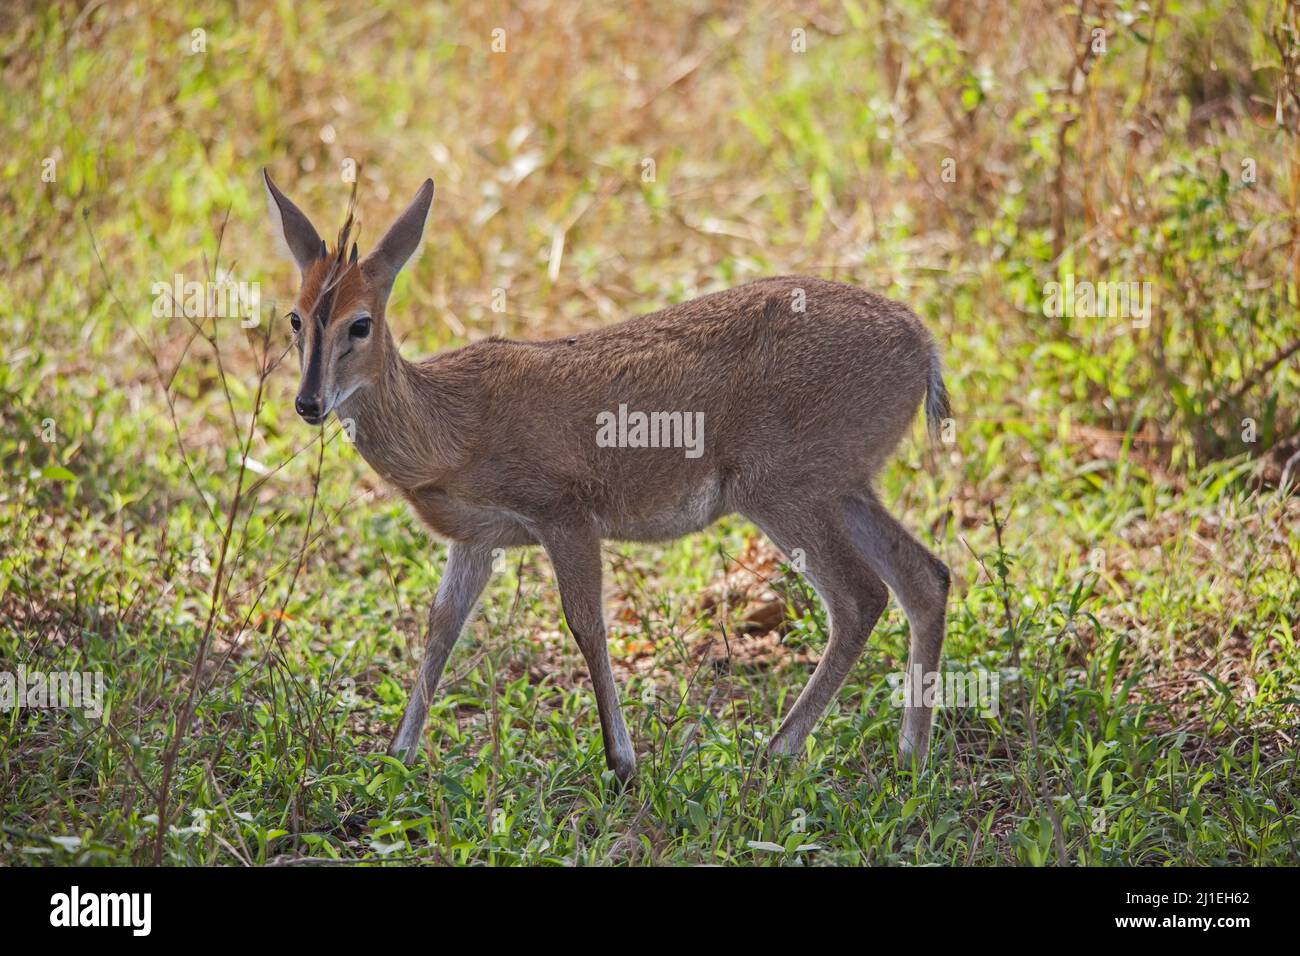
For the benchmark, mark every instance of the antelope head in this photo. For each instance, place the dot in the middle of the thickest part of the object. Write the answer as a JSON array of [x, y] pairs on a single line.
[[338, 321]]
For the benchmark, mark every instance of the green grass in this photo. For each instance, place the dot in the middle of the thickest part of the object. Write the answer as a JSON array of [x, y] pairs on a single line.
[[1138, 604]]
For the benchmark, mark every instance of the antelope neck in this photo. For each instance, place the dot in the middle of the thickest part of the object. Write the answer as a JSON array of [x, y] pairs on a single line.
[[400, 425]]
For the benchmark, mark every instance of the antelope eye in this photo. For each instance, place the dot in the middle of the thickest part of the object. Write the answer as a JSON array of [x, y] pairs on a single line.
[[360, 328], [295, 321]]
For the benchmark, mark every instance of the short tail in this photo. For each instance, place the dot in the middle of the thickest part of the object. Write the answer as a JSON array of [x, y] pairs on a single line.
[[937, 407]]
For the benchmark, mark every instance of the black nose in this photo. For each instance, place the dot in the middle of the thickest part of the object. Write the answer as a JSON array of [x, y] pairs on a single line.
[[307, 407]]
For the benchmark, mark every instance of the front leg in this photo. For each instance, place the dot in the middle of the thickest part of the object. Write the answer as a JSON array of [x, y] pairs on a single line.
[[466, 574], [575, 556]]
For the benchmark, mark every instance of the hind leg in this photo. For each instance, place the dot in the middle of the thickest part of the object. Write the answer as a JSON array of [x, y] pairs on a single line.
[[920, 581], [854, 596]]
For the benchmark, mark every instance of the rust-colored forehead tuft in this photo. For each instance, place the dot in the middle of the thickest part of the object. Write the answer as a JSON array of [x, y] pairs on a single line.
[[333, 284]]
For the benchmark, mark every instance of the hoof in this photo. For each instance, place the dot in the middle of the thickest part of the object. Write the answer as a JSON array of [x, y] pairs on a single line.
[[406, 753], [910, 758], [624, 774], [782, 746]]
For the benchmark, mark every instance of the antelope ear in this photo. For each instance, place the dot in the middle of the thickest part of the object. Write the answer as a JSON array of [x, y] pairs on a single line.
[[298, 238], [401, 242]]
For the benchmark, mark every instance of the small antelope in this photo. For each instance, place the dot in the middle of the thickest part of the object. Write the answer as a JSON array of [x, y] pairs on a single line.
[[778, 400]]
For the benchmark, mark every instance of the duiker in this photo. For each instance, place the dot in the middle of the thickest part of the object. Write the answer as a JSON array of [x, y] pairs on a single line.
[[778, 400]]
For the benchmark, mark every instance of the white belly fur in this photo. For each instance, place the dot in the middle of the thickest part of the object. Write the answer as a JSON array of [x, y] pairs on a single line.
[[701, 507]]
